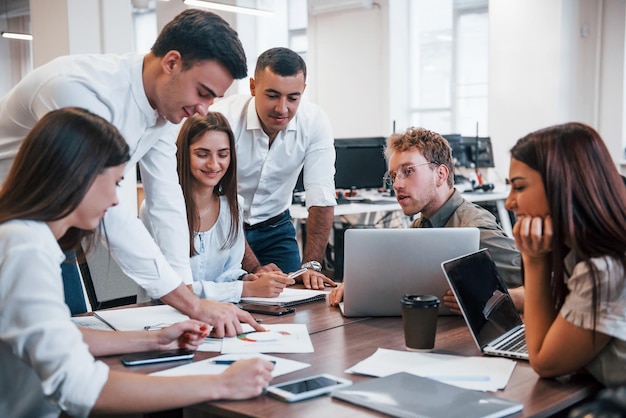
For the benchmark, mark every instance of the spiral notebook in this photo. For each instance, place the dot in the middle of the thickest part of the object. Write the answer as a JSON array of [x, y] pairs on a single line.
[[289, 297], [407, 395]]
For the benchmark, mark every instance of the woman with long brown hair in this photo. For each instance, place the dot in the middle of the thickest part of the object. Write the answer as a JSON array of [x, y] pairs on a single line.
[[62, 182], [570, 202]]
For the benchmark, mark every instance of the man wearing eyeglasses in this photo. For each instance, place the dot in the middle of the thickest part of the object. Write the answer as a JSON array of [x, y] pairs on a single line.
[[421, 171]]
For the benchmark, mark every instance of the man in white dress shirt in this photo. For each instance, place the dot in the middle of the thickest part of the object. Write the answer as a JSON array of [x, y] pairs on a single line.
[[277, 135], [194, 60]]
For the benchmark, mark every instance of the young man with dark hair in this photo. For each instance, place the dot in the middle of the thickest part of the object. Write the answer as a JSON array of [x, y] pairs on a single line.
[[277, 135], [194, 60]]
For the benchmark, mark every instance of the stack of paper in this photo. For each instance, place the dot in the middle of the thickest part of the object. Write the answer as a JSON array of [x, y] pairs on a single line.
[[478, 373]]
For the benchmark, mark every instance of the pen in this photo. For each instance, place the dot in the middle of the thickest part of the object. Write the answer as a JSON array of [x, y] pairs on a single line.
[[297, 273], [229, 362]]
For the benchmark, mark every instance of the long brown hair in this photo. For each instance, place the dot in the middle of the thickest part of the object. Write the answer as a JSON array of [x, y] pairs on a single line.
[[586, 197], [56, 164], [192, 130]]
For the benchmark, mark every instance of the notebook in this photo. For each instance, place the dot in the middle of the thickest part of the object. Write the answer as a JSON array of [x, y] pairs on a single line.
[[407, 395], [382, 264], [289, 297], [487, 307]]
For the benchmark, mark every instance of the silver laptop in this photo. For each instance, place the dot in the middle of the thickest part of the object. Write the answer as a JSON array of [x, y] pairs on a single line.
[[487, 307], [381, 265]]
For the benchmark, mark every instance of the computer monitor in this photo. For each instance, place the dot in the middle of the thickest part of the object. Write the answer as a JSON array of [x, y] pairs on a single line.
[[360, 163], [460, 151], [480, 150]]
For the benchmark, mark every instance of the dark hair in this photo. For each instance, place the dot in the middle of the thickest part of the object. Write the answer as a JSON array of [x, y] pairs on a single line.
[[433, 146], [192, 130], [586, 197], [198, 36], [56, 165], [281, 61]]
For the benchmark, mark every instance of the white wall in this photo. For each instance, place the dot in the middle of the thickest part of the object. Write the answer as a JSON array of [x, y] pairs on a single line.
[[542, 71], [349, 61]]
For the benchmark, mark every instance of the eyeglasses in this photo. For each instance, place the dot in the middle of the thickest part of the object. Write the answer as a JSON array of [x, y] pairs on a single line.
[[403, 172]]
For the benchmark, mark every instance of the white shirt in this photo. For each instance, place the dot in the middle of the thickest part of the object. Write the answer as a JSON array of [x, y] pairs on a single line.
[[267, 176], [44, 362], [215, 270], [111, 86]]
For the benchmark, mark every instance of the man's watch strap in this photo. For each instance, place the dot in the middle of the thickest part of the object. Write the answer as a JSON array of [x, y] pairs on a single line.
[[313, 265]]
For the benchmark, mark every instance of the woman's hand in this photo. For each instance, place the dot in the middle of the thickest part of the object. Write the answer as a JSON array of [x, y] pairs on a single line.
[[267, 285], [246, 378], [533, 236], [187, 334]]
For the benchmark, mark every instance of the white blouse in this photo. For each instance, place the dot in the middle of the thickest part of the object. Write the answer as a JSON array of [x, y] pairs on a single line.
[[215, 270], [609, 366], [45, 365]]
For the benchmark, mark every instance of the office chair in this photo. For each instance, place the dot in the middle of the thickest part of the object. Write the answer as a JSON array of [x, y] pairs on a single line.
[[105, 283], [72, 285]]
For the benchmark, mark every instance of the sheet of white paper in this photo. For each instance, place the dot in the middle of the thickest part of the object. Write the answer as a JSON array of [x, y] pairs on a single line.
[[90, 321], [137, 319], [478, 373], [282, 366], [278, 338], [211, 344]]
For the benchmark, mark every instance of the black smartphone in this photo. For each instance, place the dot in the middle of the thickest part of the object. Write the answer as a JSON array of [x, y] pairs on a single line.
[[266, 309], [156, 356]]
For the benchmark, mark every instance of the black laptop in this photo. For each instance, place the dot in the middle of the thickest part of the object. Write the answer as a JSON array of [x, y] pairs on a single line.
[[486, 304]]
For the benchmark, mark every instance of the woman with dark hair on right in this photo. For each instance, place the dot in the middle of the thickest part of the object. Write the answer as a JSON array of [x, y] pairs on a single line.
[[570, 202]]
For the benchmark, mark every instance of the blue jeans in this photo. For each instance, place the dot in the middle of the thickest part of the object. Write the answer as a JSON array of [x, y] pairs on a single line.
[[276, 244]]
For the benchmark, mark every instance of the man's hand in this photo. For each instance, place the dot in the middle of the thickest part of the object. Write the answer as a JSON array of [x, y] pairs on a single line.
[[336, 295], [315, 280], [451, 303], [225, 318]]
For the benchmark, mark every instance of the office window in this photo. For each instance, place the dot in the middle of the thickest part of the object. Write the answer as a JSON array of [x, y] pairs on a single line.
[[145, 29], [297, 23], [448, 63]]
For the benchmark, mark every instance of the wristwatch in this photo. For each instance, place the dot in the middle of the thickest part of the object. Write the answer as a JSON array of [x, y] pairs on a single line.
[[313, 265]]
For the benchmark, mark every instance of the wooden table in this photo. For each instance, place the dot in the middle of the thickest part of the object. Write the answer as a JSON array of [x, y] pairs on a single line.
[[341, 342]]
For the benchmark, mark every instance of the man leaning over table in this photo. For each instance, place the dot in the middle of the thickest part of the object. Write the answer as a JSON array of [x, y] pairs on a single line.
[[277, 135], [195, 59], [421, 171]]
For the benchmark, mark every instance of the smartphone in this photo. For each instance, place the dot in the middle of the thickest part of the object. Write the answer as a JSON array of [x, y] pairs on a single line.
[[266, 309], [156, 356], [308, 387]]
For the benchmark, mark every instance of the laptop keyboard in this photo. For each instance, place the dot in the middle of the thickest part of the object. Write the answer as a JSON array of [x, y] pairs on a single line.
[[517, 344]]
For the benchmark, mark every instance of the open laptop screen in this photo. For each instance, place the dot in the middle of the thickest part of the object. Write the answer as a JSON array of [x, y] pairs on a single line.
[[482, 295]]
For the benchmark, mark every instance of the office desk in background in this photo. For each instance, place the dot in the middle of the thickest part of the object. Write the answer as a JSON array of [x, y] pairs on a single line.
[[386, 204], [340, 343]]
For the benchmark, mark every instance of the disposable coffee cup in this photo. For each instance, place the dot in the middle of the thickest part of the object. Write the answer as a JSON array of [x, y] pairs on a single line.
[[419, 317]]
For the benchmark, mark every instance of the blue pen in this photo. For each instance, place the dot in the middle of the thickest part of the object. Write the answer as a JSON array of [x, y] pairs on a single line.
[[229, 362]]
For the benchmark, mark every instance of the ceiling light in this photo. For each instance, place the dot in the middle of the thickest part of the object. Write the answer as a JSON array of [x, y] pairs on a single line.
[[228, 8], [15, 35]]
